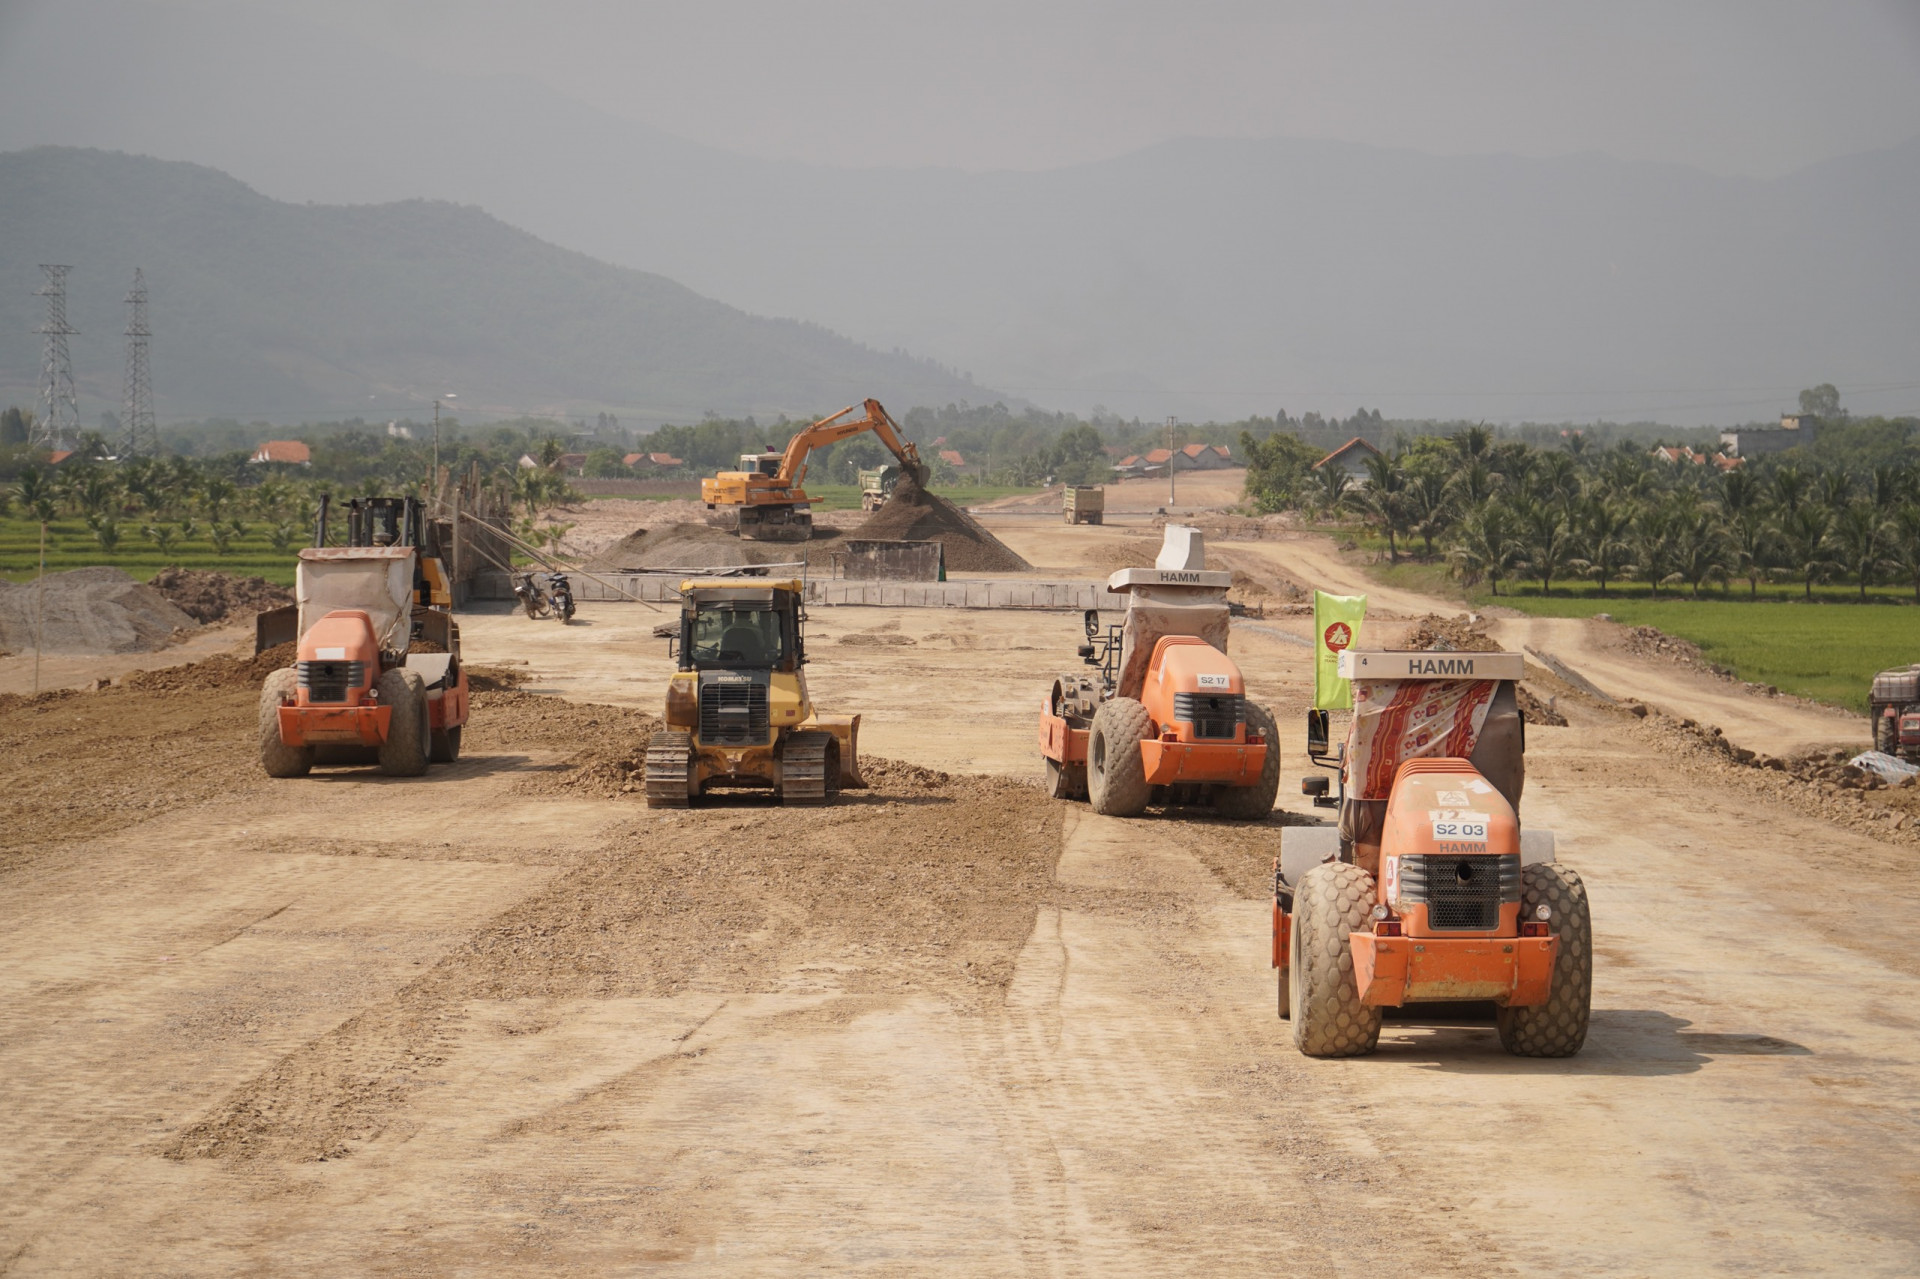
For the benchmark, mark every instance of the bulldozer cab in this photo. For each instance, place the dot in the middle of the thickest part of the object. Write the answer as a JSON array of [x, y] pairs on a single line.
[[733, 626]]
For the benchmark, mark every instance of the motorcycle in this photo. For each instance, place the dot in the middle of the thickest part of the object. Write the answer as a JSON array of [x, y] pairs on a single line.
[[560, 596], [531, 598]]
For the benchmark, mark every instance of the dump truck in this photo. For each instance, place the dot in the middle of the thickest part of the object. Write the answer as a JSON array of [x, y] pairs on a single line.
[[738, 714], [876, 486], [763, 501], [378, 677], [1893, 704], [1428, 890], [1164, 717], [1085, 504]]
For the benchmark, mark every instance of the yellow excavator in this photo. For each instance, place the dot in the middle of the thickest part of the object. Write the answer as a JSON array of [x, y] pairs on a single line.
[[763, 501]]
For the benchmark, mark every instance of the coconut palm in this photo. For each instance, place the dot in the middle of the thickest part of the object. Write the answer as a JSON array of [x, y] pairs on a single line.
[[1547, 540], [1804, 545], [1606, 528], [1699, 549], [1430, 507], [1486, 548], [1903, 545], [1330, 485], [1751, 538], [1653, 543], [1790, 487], [1383, 501], [1859, 544]]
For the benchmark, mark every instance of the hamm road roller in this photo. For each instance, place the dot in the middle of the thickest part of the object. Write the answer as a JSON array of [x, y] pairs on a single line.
[[1428, 890], [1164, 718]]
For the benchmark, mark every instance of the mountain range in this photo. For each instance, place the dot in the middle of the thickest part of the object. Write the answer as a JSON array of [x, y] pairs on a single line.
[[1198, 277]]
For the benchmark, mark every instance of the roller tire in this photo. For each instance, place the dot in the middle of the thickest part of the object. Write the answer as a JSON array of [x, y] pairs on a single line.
[[1253, 803], [446, 745], [1557, 1028], [1886, 735], [409, 732], [1116, 773], [276, 757], [1334, 900]]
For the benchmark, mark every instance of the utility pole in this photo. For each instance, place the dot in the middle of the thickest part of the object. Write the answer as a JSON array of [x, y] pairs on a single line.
[[62, 417], [1170, 458], [143, 435], [434, 483]]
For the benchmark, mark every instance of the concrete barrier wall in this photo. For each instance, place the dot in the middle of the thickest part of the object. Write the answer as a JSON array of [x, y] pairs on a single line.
[[999, 593]]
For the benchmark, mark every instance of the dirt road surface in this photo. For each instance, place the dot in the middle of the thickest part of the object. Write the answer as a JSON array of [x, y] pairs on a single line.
[[506, 1018]]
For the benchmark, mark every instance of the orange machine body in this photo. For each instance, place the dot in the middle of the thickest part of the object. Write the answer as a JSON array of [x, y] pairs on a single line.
[[337, 703], [1186, 677], [781, 485], [1450, 882]]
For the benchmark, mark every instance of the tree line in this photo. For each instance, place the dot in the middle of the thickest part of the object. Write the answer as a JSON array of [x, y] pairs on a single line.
[[1504, 511]]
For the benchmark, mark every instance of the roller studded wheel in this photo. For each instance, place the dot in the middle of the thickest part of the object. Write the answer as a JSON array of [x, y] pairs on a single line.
[[1116, 773], [669, 768], [1558, 1027], [810, 769], [1332, 902], [1253, 803], [409, 729], [1066, 781], [276, 757]]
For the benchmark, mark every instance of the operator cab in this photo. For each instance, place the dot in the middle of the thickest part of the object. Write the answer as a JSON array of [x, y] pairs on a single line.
[[740, 627], [764, 463]]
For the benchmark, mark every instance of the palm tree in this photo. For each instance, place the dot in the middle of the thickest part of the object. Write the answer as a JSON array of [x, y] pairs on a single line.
[[1558, 480], [1653, 543], [1383, 501], [1750, 540], [1607, 529], [1834, 489], [1858, 542], [1903, 545], [1486, 547], [1790, 485], [1473, 443], [1474, 484], [1803, 541], [1330, 484], [1430, 507], [1547, 540], [1699, 549]]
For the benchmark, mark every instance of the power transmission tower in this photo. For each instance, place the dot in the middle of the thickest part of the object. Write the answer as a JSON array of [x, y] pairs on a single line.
[[143, 435], [61, 421]]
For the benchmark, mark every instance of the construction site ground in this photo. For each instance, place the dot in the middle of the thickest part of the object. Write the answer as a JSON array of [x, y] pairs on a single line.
[[505, 1017]]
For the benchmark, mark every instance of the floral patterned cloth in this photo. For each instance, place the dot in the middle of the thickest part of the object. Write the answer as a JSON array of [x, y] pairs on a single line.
[[1398, 720]]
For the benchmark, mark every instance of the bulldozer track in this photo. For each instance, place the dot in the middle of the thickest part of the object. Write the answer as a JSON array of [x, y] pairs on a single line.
[[669, 764], [803, 770]]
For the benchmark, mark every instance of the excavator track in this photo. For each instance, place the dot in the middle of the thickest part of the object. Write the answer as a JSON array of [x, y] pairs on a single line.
[[804, 762], [669, 765]]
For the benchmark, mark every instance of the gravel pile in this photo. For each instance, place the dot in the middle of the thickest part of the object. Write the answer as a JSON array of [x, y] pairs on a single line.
[[914, 515], [88, 610]]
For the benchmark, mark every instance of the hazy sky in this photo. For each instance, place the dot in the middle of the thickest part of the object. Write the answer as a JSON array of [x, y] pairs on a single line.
[[1733, 86]]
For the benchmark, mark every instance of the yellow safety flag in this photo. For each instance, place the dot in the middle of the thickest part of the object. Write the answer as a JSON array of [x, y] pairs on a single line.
[[1336, 627]]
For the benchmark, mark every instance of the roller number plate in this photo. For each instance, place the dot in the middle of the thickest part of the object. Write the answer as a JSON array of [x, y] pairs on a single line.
[[1214, 681], [1470, 830]]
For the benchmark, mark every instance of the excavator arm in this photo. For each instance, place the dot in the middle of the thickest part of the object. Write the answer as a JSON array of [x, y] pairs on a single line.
[[831, 430]]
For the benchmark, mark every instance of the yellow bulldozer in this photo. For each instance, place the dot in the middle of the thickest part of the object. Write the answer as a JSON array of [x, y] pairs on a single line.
[[738, 713]]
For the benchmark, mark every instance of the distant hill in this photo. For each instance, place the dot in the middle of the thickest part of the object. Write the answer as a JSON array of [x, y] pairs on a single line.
[[268, 310]]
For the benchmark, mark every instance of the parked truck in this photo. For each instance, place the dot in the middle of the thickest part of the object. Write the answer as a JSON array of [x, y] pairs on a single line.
[[1085, 504], [1894, 707]]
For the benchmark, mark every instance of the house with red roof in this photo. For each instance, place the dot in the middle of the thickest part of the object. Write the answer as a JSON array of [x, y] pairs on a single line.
[[282, 452], [1350, 457]]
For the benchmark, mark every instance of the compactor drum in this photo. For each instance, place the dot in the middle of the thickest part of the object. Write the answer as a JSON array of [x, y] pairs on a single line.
[[1428, 890], [1164, 718], [378, 678], [738, 714]]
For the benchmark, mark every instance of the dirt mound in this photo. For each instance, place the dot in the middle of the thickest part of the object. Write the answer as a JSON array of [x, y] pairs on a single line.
[[914, 515], [698, 546], [214, 672], [211, 597], [1448, 634], [88, 610]]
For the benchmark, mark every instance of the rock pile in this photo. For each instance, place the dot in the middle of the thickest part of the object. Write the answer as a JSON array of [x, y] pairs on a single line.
[[209, 597]]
